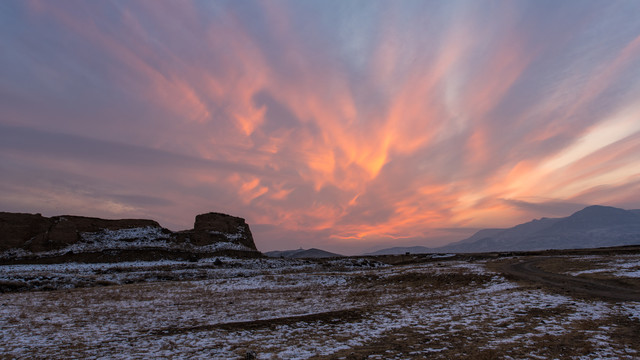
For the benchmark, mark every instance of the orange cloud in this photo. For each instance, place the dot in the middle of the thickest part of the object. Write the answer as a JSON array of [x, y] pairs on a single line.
[[392, 132]]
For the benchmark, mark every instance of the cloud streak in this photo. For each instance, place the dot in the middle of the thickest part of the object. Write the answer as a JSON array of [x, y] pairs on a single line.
[[352, 125]]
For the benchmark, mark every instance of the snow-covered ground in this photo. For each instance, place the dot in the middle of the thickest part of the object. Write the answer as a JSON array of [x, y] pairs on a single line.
[[296, 309], [75, 275]]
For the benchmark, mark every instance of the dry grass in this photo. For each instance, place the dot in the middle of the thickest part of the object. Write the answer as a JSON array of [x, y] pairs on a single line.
[[587, 264]]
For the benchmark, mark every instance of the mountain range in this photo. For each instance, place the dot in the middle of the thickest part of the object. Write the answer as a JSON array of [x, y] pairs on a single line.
[[302, 254], [591, 227]]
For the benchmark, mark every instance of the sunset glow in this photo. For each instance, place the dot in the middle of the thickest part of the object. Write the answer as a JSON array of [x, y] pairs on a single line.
[[344, 125]]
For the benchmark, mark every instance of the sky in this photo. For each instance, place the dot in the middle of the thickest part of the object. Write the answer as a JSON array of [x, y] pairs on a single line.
[[344, 125]]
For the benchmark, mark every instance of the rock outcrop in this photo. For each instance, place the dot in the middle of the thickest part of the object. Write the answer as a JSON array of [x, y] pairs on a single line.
[[19, 230], [35, 235], [214, 227]]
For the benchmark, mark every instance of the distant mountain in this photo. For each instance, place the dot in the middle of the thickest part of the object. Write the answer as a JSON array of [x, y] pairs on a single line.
[[593, 226], [312, 253], [482, 234], [400, 250]]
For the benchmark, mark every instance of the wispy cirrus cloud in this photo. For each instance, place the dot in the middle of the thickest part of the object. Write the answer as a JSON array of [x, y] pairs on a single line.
[[350, 124]]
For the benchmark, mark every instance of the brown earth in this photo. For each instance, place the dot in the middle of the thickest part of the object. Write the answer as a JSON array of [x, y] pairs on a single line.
[[328, 316]]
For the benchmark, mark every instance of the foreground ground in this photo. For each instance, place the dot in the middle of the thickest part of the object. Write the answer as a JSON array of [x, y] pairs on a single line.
[[437, 307]]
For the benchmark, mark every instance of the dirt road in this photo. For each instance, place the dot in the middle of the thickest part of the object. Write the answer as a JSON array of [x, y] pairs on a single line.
[[530, 270]]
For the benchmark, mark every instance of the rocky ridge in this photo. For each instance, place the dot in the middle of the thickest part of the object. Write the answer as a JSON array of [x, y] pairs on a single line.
[[35, 238]]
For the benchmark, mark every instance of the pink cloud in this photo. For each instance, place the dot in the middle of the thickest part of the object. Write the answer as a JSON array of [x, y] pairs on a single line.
[[357, 137]]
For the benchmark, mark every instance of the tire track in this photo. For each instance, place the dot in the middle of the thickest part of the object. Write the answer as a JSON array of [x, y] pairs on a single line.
[[329, 316]]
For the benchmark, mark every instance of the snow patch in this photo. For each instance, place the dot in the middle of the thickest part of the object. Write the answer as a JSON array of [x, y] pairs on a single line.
[[147, 233], [624, 266], [231, 236]]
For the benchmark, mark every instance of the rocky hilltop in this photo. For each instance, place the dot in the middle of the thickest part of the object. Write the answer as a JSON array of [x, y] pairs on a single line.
[[35, 238]]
